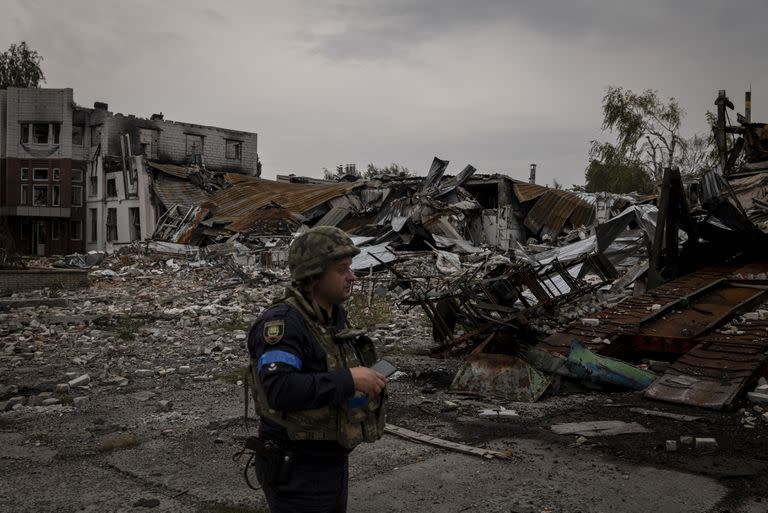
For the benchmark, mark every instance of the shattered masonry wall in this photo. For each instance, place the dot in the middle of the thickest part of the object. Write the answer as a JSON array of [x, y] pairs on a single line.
[[41, 278], [172, 142]]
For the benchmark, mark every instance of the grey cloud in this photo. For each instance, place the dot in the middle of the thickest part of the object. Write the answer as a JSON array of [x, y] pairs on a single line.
[[391, 29]]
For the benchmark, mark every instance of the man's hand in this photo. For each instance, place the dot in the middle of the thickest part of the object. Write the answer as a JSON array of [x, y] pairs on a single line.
[[368, 381]]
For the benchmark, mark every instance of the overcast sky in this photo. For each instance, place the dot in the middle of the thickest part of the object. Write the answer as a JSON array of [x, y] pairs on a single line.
[[496, 84]]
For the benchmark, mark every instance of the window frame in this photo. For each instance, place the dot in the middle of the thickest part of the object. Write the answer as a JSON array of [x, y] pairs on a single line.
[[73, 224], [33, 134], [24, 194], [24, 173], [110, 238], [94, 213], [81, 130], [77, 175], [238, 149], [56, 174], [72, 202], [55, 229], [188, 150], [56, 195], [25, 234], [34, 204], [108, 193], [35, 179]]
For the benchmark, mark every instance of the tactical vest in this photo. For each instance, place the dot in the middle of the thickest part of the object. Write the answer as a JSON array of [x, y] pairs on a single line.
[[358, 419]]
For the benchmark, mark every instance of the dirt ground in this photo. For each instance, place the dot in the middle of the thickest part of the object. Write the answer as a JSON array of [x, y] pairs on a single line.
[[123, 450]]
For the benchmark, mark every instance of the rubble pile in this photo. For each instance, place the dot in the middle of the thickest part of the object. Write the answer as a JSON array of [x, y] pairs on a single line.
[[145, 317]]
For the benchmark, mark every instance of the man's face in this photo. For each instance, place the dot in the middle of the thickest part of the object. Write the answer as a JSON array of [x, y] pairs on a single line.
[[335, 284]]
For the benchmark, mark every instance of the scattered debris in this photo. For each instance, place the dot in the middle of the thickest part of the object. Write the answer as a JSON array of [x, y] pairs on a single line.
[[666, 415], [444, 444], [599, 428]]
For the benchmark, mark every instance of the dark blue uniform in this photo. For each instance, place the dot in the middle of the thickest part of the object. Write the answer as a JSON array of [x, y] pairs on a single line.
[[293, 372]]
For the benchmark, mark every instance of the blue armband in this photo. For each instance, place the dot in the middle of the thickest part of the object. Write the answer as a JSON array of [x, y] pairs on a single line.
[[279, 357]]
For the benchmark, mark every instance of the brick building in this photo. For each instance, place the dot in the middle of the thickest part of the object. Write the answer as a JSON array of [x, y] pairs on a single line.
[[72, 177], [41, 171]]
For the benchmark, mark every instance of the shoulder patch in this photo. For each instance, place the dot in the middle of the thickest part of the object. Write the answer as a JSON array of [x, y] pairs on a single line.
[[273, 331]]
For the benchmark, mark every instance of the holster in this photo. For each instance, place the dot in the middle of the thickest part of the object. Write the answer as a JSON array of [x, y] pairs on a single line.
[[275, 463]]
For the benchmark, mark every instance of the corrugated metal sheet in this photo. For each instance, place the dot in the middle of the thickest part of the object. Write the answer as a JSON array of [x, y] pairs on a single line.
[[178, 192], [553, 208], [245, 202], [170, 169], [333, 217], [528, 191]]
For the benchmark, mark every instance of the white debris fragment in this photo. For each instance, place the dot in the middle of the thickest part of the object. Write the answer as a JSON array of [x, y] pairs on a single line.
[[80, 381], [706, 443], [499, 413]]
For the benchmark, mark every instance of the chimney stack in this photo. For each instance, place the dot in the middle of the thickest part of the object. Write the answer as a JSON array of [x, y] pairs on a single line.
[[748, 106], [532, 177]]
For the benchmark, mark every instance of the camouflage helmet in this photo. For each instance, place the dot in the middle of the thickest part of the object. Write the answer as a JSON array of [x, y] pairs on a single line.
[[314, 249]]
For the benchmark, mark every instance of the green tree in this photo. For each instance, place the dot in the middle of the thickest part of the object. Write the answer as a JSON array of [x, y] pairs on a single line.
[[647, 131], [20, 67], [391, 171], [618, 178]]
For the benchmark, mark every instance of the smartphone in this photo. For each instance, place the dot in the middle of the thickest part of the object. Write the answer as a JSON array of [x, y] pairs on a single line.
[[384, 367]]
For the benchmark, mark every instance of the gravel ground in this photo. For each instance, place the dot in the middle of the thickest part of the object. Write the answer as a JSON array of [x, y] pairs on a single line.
[[155, 424]]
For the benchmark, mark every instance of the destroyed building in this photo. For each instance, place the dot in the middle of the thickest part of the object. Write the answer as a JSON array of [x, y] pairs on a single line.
[[71, 179]]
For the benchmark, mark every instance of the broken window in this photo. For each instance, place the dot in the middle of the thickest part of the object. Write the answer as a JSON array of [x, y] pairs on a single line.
[[234, 150], [25, 173], [77, 230], [78, 133], [94, 224], [194, 145], [133, 213], [40, 133], [147, 142], [56, 174], [56, 200], [40, 196], [40, 174], [77, 196], [95, 135], [111, 224], [111, 188], [55, 229], [77, 175], [25, 228], [93, 185], [23, 199]]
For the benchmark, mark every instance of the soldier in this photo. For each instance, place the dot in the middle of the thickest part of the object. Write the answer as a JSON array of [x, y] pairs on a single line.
[[315, 395]]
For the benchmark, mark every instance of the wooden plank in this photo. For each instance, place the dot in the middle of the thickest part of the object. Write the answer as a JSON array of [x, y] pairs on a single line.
[[444, 444]]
